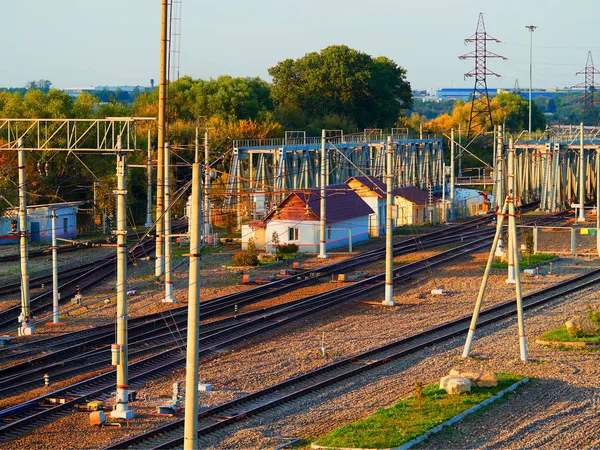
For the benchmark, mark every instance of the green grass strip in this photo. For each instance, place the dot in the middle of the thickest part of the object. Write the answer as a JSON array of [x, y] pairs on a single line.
[[526, 261], [410, 418]]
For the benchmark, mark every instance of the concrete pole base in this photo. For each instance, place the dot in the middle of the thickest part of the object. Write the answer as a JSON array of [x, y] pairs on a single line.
[[26, 330], [148, 224], [581, 219], [523, 347], [388, 303], [323, 256], [126, 414], [169, 299], [510, 281]]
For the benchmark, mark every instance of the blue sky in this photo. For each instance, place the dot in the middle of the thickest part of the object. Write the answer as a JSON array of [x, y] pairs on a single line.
[[77, 43]]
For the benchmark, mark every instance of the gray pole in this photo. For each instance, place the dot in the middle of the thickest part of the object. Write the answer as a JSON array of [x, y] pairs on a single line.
[[94, 212], [514, 248], [486, 275], [167, 217], [206, 187], [452, 190], [162, 129], [54, 270], [322, 250], [512, 262], [27, 327], [530, 28], [121, 408], [389, 249], [581, 176], [148, 223], [193, 328], [196, 146], [459, 150]]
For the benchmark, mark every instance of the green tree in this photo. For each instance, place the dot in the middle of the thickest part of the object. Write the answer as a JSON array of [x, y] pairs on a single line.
[[342, 82]]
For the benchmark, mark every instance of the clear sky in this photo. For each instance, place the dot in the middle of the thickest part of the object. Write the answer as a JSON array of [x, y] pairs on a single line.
[[78, 43]]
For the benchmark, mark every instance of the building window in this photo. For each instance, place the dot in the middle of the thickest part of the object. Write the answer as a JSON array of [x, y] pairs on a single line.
[[65, 224], [292, 234], [328, 233]]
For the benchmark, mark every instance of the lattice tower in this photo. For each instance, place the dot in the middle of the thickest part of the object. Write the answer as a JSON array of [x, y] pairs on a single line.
[[517, 88], [481, 111], [589, 87]]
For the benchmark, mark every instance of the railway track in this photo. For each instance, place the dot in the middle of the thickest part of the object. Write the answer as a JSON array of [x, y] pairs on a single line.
[[23, 417], [233, 412], [15, 421], [57, 346], [84, 276], [230, 331]]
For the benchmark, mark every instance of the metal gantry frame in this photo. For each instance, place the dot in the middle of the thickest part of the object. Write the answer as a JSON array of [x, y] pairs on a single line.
[[271, 167], [114, 135]]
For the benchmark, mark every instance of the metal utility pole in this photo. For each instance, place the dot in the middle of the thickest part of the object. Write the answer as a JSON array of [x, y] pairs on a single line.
[[322, 250], [94, 212], [149, 222], [196, 146], [193, 328], [389, 245], [589, 87], [54, 270], [514, 247], [167, 218], [531, 29], [27, 327], [452, 190], [121, 408], [581, 176], [162, 128], [459, 150], [481, 111], [513, 253], [206, 187]]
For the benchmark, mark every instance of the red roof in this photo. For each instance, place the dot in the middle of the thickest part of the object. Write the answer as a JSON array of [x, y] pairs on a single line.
[[342, 203]]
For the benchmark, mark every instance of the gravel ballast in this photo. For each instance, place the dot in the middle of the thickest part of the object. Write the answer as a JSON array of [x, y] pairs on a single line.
[[357, 327]]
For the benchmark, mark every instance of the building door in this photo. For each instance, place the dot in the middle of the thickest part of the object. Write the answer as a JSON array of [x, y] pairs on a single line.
[[35, 232]]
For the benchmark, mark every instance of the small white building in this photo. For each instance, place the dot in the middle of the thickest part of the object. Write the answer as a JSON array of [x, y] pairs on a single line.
[[373, 191], [39, 223], [296, 221]]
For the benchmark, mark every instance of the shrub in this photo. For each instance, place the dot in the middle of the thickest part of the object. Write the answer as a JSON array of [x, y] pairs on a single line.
[[288, 249], [244, 259]]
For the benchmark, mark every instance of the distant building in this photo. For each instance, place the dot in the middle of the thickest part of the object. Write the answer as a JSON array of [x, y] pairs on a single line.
[[296, 220], [39, 223], [97, 90], [466, 93]]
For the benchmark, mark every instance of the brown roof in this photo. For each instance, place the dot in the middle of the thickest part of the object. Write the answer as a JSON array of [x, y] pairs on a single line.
[[373, 183], [414, 194], [342, 203], [256, 224]]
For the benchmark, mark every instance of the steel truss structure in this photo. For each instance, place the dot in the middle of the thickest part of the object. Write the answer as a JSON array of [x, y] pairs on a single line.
[[76, 135], [550, 171], [275, 166]]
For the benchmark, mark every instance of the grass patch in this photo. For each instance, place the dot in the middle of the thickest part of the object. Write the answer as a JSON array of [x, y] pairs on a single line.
[[411, 417], [526, 261], [562, 335]]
